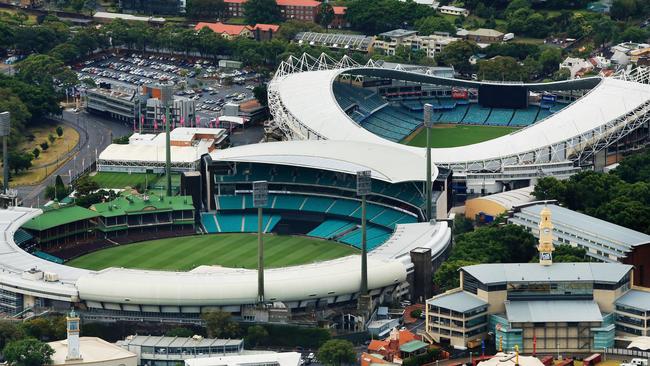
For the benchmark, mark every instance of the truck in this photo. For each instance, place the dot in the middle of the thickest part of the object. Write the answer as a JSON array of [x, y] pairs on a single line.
[[508, 36]]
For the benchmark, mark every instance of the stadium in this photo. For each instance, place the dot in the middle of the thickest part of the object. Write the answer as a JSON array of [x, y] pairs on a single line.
[[311, 198], [495, 136]]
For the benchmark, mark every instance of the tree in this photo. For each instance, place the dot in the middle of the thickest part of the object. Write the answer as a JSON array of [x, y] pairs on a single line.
[[85, 185], [45, 70], [220, 324], [59, 131], [206, 9], [9, 331], [256, 334], [261, 94], [262, 11], [44, 145], [634, 168], [19, 161], [292, 27], [325, 15], [336, 352], [634, 34], [569, 254], [457, 54], [36, 152], [447, 277], [550, 58], [501, 68], [51, 138], [549, 188], [432, 24], [623, 9], [179, 332], [462, 225], [377, 16], [28, 352]]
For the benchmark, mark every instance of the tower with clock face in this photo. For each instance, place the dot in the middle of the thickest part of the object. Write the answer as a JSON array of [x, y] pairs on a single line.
[[545, 246]]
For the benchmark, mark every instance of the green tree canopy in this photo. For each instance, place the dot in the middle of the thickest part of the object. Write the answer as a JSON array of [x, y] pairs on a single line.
[[262, 11], [432, 24], [220, 324], [256, 334], [28, 352], [457, 54], [447, 276], [337, 352], [206, 9]]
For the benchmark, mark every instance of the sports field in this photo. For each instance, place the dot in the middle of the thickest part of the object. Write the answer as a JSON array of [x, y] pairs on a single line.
[[458, 135], [121, 180], [229, 250]]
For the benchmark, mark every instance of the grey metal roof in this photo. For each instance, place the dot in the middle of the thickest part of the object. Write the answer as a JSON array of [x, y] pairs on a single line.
[[338, 40], [590, 225], [460, 301], [161, 341], [398, 33], [493, 273], [636, 299], [553, 311]]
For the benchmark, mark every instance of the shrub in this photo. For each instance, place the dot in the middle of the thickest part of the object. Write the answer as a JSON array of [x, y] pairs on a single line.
[[44, 145], [59, 131]]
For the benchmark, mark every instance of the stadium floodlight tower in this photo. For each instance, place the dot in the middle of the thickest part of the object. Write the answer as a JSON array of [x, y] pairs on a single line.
[[364, 183], [428, 123], [260, 200], [166, 99]]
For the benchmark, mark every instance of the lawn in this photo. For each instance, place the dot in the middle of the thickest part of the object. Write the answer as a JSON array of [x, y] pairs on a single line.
[[458, 135], [230, 250], [121, 180]]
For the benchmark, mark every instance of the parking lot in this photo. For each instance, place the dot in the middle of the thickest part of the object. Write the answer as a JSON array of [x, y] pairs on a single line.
[[201, 80]]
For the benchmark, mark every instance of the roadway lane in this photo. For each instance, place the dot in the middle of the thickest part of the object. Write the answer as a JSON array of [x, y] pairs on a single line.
[[94, 135]]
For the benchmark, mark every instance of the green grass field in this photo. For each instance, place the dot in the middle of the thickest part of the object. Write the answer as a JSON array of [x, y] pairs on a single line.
[[459, 135], [121, 180], [229, 250]]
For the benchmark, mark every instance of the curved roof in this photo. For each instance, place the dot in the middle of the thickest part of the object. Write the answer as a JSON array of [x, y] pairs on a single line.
[[386, 162], [210, 285], [316, 108]]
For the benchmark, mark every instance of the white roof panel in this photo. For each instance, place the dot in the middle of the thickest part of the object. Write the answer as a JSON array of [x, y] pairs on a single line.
[[553, 311]]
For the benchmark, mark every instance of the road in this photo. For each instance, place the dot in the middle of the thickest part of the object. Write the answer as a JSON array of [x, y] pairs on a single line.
[[94, 135]]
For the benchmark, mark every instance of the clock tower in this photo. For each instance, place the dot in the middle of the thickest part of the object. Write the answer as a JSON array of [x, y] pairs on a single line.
[[545, 246], [73, 336]]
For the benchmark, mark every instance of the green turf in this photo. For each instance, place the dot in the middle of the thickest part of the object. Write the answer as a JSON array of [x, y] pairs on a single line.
[[230, 250], [121, 180], [459, 135]]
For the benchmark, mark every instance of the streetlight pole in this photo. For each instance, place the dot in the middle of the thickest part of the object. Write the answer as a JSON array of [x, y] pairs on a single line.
[[260, 200], [428, 123], [5, 129]]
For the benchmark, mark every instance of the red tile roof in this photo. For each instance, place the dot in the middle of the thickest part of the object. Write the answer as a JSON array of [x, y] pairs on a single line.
[[230, 29], [306, 3], [266, 27], [340, 10]]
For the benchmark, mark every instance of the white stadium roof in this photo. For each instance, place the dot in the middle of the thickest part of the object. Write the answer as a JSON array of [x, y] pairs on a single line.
[[309, 98], [386, 163]]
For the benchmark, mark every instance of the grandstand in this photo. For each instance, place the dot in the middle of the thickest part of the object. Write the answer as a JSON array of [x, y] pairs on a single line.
[[397, 120], [312, 191]]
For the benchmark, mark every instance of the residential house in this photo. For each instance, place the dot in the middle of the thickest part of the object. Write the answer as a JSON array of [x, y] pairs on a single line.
[[339, 21], [228, 31], [481, 35], [453, 10], [576, 66]]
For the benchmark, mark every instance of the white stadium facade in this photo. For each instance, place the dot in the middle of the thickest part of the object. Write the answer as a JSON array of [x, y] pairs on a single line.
[[591, 116]]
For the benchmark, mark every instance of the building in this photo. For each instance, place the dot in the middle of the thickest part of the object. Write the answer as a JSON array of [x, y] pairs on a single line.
[[399, 345], [339, 20], [335, 41], [602, 240], [249, 111], [131, 215], [388, 42], [171, 351], [486, 208], [266, 359], [113, 102], [576, 66], [87, 351], [511, 359], [453, 10], [61, 225], [481, 35], [265, 32], [572, 307], [170, 7], [146, 152], [106, 17], [228, 31], [142, 107], [305, 10]]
